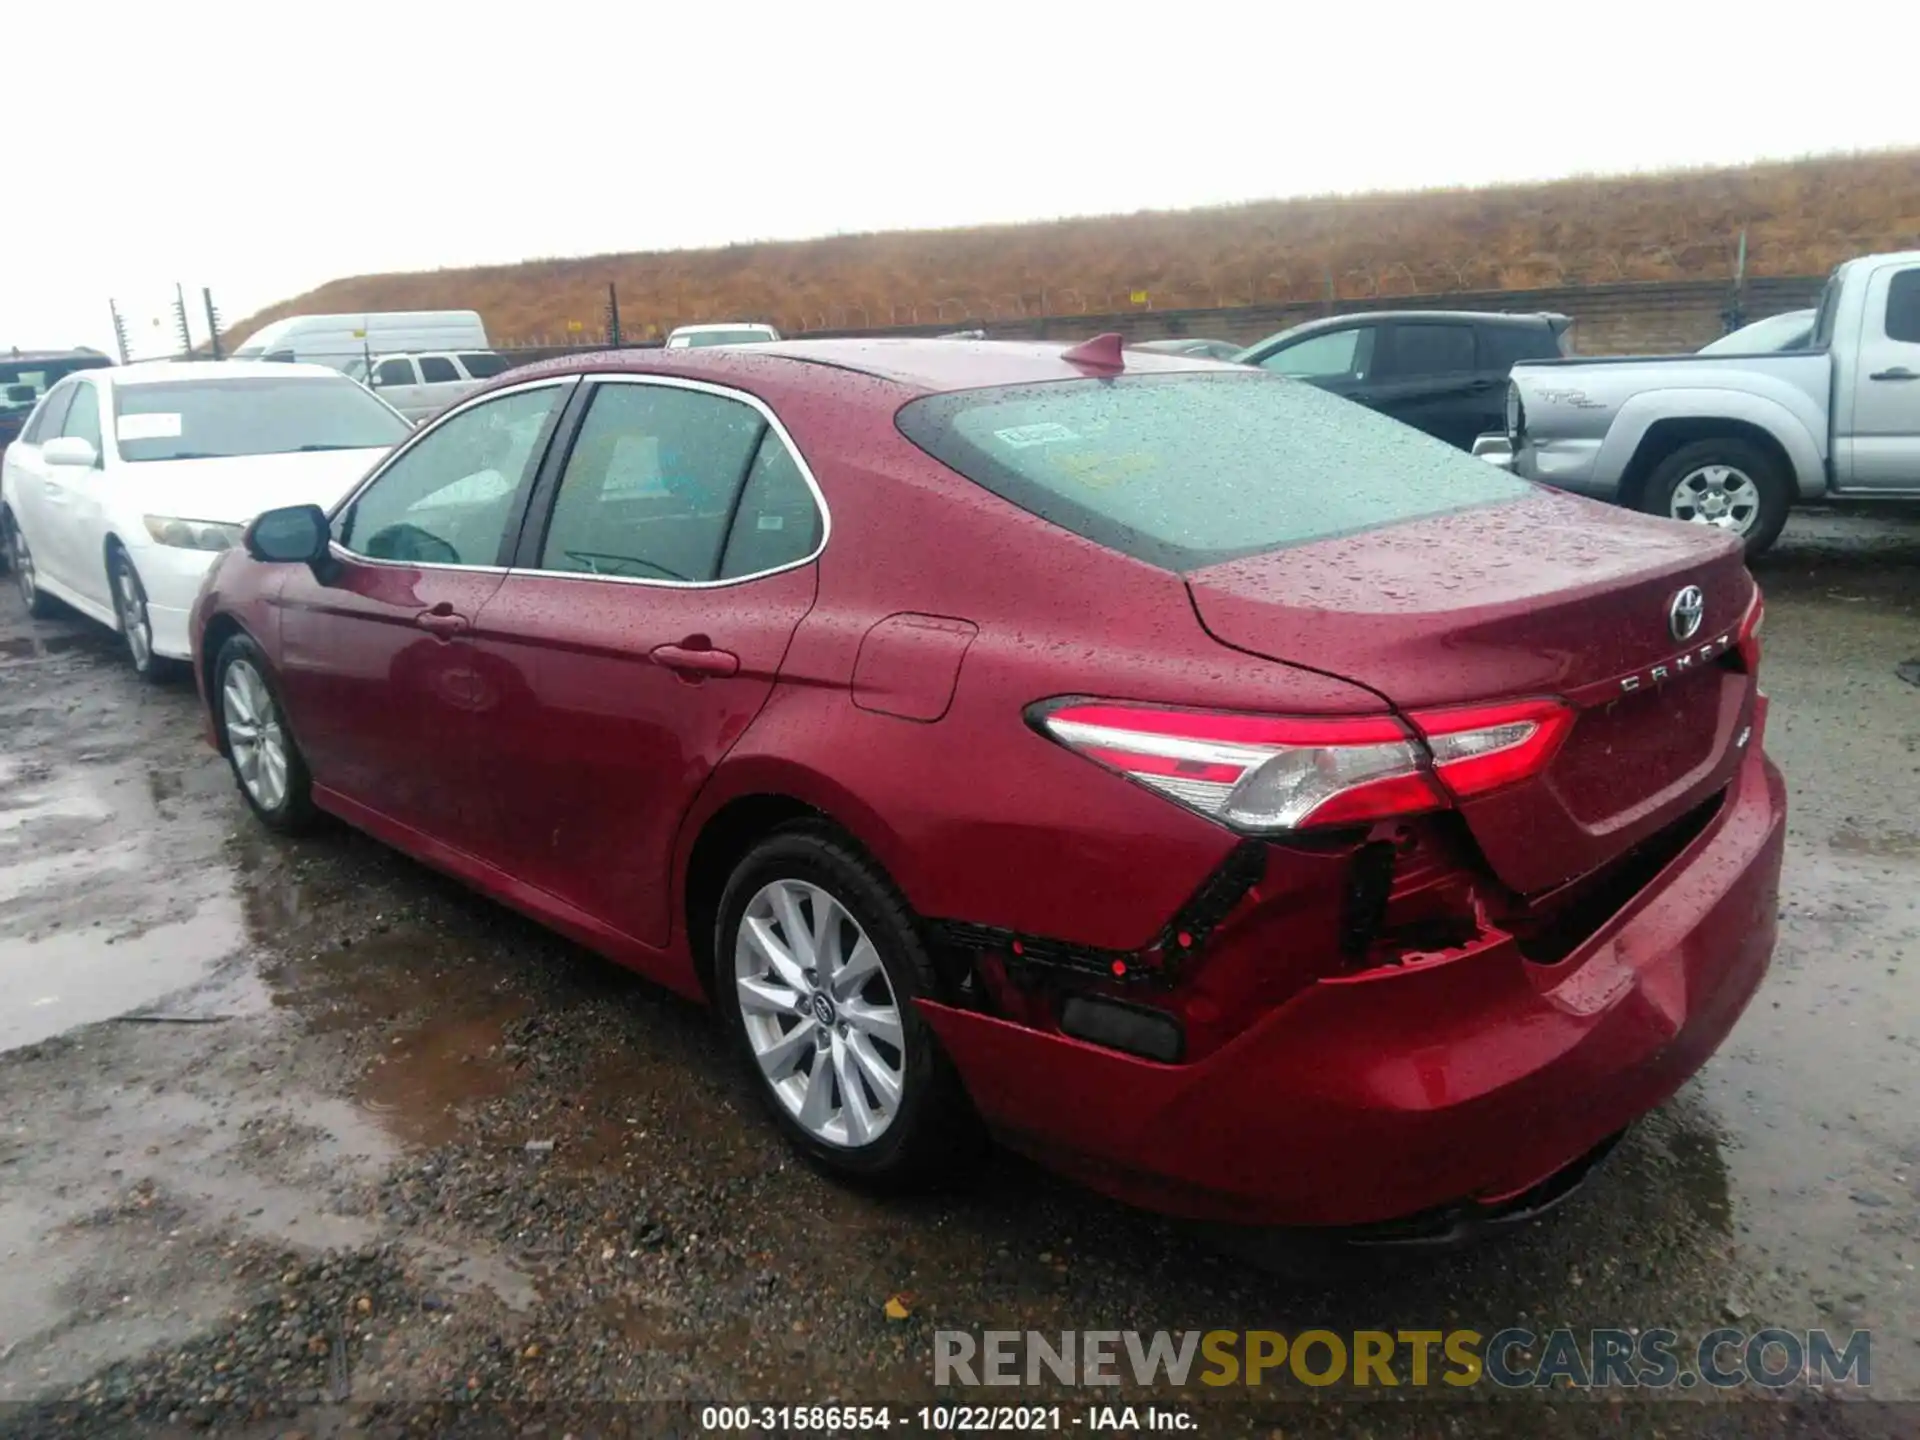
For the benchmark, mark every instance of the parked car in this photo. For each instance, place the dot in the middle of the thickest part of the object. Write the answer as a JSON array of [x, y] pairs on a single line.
[[340, 340], [26, 375], [1190, 345], [422, 385], [1736, 441], [741, 332], [1791, 331], [1141, 756], [126, 483], [1441, 371]]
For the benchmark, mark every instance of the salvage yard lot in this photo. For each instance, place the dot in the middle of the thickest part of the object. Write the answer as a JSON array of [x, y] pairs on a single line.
[[292, 1119]]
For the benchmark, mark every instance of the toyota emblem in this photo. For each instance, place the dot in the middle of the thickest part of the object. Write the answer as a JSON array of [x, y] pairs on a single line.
[[1685, 612]]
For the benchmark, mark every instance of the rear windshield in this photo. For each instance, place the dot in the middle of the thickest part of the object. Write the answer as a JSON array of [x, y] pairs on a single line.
[[205, 419], [1184, 471], [723, 337]]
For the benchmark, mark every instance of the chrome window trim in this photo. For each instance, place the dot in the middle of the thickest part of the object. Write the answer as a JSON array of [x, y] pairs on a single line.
[[675, 382], [339, 551]]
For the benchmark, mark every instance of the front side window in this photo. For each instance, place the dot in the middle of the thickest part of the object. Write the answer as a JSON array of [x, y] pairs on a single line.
[[52, 415], [83, 418], [394, 372], [450, 497], [666, 483], [1185, 471], [1429, 350], [437, 370], [1903, 307], [249, 415], [1332, 355]]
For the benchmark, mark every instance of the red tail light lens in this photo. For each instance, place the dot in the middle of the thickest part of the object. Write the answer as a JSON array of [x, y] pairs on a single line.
[[1477, 748], [1747, 640], [1268, 774]]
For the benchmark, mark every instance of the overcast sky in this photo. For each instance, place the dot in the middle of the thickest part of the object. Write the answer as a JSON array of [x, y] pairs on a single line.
[[261, 149]]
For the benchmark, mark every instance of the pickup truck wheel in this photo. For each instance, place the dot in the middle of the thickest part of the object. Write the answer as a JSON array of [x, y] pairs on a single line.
[[1730, 484]]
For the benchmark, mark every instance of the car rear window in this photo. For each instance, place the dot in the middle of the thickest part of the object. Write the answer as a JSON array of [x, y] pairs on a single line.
[[1184, 471]]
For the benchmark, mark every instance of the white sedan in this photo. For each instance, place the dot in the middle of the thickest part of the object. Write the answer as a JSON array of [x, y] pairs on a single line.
[[125, 483]]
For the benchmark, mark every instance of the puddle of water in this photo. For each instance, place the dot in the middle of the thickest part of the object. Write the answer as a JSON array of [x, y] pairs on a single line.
[[424, 1086], [54, 983]]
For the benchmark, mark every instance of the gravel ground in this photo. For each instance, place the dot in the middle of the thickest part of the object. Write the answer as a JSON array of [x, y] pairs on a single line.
[[297, 1137]]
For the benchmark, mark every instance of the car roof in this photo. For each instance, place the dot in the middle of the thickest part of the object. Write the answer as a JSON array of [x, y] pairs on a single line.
[[711, 326], [17, 356], [154, 372], [924, 365]]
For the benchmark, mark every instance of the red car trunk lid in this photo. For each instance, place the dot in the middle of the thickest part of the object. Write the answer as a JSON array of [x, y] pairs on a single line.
[[1547, 596]]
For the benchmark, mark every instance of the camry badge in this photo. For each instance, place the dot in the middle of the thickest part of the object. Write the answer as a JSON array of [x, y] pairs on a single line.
[[1685, 612]]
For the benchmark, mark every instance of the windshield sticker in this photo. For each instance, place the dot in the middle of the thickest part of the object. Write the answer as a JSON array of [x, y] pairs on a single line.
[[148, 427], [1046, 433]]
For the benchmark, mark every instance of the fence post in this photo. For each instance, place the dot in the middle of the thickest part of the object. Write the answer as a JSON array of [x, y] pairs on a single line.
[[613, 316]]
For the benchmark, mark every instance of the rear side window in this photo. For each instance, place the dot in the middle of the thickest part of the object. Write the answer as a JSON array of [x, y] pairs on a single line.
[[652, 485], [1184, 471], [776, 522], [483, 366], [437, 370], [1428, 350], [1503, 346], [1903, 307], [1825, 316]]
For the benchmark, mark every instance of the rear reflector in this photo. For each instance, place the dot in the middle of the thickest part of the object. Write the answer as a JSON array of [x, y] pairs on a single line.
[[1268, 774]]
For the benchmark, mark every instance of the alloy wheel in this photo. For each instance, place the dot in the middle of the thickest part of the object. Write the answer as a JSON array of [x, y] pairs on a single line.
[[820, 1013], [21, 558], [1717, 495], [256, 737], [131, 601]]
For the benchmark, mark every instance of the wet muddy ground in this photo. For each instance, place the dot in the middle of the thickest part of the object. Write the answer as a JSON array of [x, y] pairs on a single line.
[[298, 1122]]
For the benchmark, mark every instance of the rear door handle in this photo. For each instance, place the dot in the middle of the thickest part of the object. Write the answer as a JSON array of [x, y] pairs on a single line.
[[696, 660], [441, 621], [1899, 372]]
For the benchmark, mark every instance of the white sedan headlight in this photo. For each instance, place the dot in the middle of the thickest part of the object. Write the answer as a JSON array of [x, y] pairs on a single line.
[[192, 534]]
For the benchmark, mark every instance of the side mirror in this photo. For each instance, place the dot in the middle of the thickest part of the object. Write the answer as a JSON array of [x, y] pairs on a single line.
[[70, 450], [22, 394], [291, 535]]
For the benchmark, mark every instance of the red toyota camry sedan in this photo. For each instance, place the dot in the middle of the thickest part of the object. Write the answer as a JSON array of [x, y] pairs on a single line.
[[1239, 800]]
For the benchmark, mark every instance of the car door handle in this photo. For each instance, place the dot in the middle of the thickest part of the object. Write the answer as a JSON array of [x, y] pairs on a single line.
[[1899, 372], [441, 621], [696, 660]]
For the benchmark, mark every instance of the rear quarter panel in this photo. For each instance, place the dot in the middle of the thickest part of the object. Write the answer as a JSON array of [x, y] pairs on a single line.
[[974, 815]]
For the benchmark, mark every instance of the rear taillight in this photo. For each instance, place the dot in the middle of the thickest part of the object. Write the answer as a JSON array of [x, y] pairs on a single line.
[[1477, 748], [1267, 774], [1747, 639]]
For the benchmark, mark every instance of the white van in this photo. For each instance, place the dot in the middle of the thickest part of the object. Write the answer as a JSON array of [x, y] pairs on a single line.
[[337, 340]]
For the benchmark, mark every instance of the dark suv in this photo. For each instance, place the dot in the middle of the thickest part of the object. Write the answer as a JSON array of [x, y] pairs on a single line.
[[26, 375], [1441, 371]]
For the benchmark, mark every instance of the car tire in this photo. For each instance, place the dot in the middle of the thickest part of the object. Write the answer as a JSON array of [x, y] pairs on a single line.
[[1713, 482], [801, 1057], [130, 613], [40, 605], [266, 762]]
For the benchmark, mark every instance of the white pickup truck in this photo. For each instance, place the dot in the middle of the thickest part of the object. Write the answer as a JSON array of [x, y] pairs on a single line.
[[1737, 440]]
